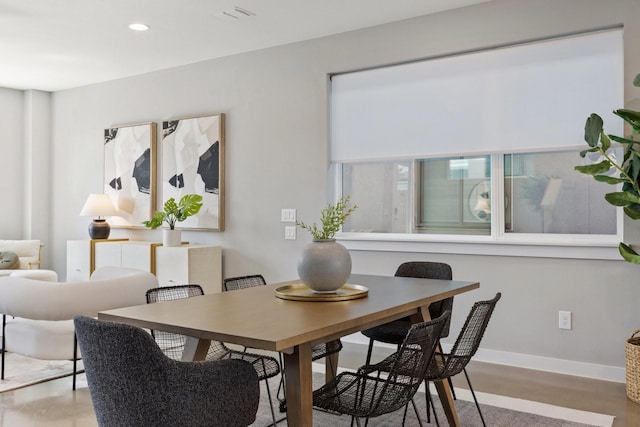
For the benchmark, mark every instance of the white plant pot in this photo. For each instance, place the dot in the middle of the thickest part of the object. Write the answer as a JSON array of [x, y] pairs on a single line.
[[171, 238]]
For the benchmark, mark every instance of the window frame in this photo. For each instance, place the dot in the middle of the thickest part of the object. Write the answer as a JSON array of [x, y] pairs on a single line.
[[498, 242]]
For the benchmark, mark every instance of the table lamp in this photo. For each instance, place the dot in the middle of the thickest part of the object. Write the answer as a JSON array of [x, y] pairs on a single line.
[[99, 205]]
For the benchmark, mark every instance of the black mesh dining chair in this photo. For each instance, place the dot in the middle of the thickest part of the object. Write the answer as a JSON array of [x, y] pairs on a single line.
[[395, 332], [173, 344], [317, 352], [446, 365], [387, 386]]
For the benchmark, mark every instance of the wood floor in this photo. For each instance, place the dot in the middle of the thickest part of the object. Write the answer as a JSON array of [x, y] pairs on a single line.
[[54, 404]]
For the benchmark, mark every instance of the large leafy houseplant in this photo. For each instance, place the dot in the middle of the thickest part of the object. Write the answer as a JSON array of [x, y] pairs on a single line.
[[331, 219], [626, 172], [173, 212]]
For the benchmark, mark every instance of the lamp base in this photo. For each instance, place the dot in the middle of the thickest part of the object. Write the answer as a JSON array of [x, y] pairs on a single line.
[[99, 229]]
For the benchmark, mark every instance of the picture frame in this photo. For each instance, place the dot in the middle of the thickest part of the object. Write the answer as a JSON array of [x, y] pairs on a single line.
[[130, 173], [193, 163]]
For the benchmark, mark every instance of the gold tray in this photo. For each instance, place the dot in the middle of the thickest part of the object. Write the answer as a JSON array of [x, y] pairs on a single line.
[[299, 292]]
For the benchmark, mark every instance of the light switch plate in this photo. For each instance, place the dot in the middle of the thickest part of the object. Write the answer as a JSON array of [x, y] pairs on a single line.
[[288, 215]]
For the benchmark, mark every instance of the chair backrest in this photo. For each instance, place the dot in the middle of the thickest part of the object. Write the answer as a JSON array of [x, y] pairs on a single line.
[[168, 293], [470, 336], [132, 383], [172, 345], [430, 270], [235, 283], [409, 365]]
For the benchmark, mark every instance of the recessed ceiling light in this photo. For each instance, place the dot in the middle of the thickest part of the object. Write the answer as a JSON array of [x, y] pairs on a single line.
[[138, 27]]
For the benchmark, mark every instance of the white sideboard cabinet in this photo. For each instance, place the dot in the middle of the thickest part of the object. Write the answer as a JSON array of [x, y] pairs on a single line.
[[81, 257], [186, 264], [190, 264]]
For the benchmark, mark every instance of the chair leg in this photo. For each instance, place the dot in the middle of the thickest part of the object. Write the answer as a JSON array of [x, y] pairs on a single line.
[[281, 386], [430, 401], [368, 361], [453, 391], [75, 359], [4, 323], [415, 409], [273, 414], [474, 396]]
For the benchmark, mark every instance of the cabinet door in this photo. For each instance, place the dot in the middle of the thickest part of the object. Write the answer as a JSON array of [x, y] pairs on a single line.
[[108, 254], [201, 265], [78, 260], [137, 255]]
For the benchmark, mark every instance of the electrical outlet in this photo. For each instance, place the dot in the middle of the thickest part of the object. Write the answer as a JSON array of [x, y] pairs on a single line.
[[288, 215], [564, 319]]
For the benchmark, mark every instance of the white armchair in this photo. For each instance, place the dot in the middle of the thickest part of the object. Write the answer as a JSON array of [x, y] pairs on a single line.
[[29, 252], [37, 315]]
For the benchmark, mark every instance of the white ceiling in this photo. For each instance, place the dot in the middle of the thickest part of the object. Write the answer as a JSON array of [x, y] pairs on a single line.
[[52, 45]]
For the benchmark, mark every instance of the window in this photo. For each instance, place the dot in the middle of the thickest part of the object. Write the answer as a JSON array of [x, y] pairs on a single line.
[[480, 147], [543, 194], [546, 195]]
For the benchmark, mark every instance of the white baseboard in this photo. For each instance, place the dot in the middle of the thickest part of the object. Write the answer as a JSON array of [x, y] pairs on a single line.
[[548, 364]]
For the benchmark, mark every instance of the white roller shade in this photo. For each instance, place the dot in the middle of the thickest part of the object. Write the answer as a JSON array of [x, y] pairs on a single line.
[[521, 98]]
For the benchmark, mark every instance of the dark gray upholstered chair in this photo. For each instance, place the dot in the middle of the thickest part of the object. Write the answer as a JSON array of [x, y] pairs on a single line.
[[394, 332], [367, 393], [317, 352], [446, 365], [133, 384], [173, 344]]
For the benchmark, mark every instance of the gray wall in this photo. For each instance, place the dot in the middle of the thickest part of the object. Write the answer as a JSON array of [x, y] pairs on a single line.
[[275, 102]]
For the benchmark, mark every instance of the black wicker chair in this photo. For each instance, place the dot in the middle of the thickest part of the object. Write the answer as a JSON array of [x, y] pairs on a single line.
[[445, 365], [367, 394], [173, 344], [395, 332], [317, 352], [132, 383]]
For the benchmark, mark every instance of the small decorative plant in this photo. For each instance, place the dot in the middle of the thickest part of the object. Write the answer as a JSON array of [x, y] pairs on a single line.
[[628, 171], [332, 218], [188, 205]]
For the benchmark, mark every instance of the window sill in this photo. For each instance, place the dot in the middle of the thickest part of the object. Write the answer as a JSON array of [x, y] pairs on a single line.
[[480, 245]]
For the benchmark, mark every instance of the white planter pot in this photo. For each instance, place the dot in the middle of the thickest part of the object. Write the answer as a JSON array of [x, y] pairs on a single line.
[[324, 266], [171, 238]]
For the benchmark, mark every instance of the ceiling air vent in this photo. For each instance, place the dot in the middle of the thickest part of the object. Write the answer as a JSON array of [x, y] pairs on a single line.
[[235, 13]]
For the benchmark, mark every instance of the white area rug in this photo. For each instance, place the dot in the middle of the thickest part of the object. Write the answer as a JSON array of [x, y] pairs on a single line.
[[22, 371]]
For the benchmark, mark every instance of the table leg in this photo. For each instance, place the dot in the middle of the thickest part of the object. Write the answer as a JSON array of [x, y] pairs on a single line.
[[331, 366], [195, 349], [298, 377]]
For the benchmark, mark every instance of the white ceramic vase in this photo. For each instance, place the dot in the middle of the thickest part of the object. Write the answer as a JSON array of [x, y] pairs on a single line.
[[324, 266], [171, 238]]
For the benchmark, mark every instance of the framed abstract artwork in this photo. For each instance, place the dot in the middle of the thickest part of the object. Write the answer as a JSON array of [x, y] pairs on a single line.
[[193, 163], [130, 173]]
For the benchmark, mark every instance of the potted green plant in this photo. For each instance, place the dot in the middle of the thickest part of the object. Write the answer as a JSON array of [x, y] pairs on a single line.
[[626, 172], [325, 265], [173, 212]]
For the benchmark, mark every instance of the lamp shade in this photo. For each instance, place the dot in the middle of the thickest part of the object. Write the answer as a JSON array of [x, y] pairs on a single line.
[[98, 205]]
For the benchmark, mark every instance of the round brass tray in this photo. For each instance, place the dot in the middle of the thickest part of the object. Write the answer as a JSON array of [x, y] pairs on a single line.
[[299, 292]]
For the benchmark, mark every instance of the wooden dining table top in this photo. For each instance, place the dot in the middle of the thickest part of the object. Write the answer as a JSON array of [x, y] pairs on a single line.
[[254, 317]]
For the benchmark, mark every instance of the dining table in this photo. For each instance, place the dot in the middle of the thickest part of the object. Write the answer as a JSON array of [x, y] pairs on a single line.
[[262, 318]]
